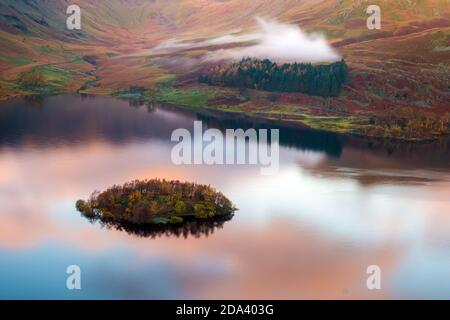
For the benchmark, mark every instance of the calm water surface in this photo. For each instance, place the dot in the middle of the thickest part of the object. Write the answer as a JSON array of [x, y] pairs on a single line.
[[337, 205]]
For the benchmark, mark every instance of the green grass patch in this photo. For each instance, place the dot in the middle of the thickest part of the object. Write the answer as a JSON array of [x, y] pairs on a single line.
[[20, 61], [46, 79], [46, 50], [192, 97], [393, 16], [166, 79], [335, 124], [77, 59], [7, 42], [54, 74], [135, 93]]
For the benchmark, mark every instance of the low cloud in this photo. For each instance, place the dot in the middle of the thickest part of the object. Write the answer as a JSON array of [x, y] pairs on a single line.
[[273, 40]]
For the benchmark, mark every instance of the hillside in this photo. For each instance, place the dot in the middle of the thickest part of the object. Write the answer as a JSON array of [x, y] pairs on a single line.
[[405, 64]]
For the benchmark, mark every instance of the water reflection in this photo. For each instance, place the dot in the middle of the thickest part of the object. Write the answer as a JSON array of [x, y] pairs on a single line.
[[300, 138], [82, 118], [72, 120], [194, 228], [34, 101], [372, 177], [337, 205]]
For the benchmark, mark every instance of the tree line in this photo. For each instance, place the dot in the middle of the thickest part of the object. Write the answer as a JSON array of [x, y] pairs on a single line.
[[323, 80]]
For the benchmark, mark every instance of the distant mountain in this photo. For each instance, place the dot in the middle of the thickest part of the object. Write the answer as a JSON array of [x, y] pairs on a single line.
[[146, 19]]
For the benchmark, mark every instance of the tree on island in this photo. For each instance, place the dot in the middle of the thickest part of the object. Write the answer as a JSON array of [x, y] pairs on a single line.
[[156, 202]]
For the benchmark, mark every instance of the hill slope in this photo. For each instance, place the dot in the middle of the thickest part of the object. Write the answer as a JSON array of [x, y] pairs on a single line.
[[405, 64]]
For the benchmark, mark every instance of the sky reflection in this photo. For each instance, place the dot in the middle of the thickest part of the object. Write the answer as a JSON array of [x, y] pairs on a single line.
[[308, 232]]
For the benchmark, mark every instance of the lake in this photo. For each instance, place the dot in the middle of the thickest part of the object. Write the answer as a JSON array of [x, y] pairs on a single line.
[[337, 205]]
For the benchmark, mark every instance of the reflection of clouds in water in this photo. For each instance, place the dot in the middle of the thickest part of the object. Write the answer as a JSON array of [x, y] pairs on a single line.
[[341, 207], [37, 181], [278, 262], [300, 233], [275, 262], [423, 273], [367, 177], [154, 279]]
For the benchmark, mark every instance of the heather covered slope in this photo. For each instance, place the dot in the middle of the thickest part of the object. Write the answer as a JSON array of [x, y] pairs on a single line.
[[403, 65], [127, 22]]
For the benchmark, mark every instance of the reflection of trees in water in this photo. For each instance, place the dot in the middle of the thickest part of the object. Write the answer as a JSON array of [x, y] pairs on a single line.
[[427, 153], [138, 103], [152, 107], [189, 228], [300, 138], [34, 100], [36, 120], [333, 144], [86, 96], [79, 119]]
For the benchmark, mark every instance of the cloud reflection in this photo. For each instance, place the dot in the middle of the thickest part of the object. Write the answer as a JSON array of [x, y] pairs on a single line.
[[300, 234]]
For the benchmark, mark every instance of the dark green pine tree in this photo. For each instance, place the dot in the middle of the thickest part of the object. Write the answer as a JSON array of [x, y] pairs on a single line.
[[320, 80]]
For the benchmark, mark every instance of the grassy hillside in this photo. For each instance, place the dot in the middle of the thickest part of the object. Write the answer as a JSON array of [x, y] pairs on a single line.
[[403, 65]]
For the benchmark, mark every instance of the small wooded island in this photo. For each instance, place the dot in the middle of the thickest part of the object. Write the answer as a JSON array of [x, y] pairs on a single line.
[[156, 202]]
